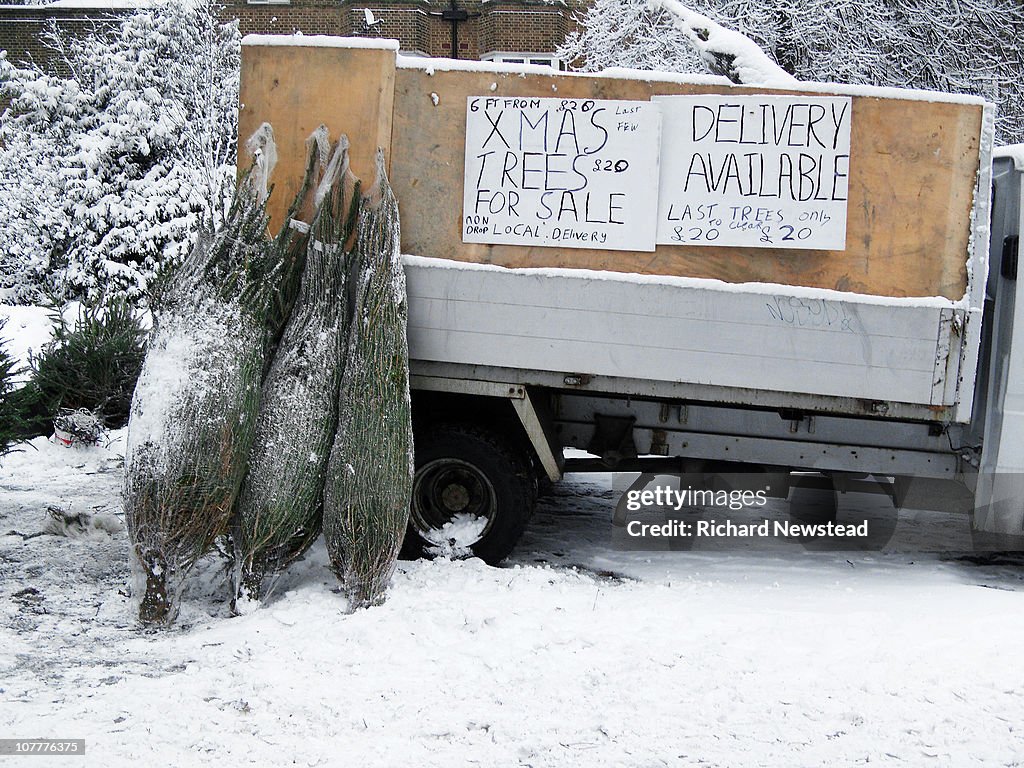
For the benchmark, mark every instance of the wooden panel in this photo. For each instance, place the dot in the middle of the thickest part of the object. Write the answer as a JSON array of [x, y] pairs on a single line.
[[670, 332], [296, 88], [912, 176]]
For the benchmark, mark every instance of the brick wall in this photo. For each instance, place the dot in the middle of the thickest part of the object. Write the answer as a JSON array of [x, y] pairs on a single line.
[[311, 17], [22, 29], [532, 26], [524, 26]]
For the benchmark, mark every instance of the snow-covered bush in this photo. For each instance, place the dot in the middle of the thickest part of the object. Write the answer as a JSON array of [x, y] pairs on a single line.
[[970, 46], [11, 424], [91, 362], [108, 173]]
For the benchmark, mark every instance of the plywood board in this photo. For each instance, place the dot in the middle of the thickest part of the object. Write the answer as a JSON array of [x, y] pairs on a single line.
[[296, 88], [911, 185]]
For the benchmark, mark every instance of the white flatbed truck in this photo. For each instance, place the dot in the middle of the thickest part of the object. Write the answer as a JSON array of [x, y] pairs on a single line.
[[892, 352]]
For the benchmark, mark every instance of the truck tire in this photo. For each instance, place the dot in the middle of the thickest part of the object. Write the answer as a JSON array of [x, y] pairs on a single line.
[[464, 470], [813, 505]]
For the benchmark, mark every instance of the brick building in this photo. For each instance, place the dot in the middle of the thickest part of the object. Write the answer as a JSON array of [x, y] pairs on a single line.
[[22, 27], [493, 30], [502, 30]]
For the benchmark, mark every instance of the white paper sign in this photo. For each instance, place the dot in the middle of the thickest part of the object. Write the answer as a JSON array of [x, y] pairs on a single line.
[[570, 173], [755, 171]]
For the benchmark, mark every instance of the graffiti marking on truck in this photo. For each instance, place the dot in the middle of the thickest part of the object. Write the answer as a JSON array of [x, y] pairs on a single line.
[[812, 313]]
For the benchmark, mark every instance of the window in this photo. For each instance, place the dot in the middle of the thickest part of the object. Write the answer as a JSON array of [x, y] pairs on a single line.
[[543, 59]]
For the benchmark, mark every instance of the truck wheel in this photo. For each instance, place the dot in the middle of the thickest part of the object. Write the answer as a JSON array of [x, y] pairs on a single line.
[[474, 479], [813, 505]]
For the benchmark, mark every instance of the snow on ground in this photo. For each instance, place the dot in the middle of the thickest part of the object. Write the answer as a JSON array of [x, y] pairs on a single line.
[[27, 330], [574, 653]]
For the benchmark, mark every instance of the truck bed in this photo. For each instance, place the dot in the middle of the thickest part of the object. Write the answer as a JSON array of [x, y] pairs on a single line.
[[724, 339]]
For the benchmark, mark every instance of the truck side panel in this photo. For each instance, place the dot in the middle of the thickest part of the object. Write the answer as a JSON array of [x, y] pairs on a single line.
[[577, 322], [1000, 492]]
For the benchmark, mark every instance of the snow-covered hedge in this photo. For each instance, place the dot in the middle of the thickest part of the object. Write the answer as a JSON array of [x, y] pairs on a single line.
[[969, 46], [109, 172]]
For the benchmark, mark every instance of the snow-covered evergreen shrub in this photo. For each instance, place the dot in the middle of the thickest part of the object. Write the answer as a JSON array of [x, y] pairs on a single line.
[[970, 46], [111, 171], [11, 423], [91, 362], [370, 471], [35, 136]]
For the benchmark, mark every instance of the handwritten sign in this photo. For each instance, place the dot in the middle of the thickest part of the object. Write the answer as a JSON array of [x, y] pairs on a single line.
[[571, 173], [755, 171]]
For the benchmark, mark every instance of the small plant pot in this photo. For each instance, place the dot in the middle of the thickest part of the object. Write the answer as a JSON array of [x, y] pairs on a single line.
[[60, 437], [81, 427]]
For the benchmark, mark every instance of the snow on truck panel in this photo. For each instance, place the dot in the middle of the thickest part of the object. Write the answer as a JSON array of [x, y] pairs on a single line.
[[1014, 152], [699, 283], [322, 41]]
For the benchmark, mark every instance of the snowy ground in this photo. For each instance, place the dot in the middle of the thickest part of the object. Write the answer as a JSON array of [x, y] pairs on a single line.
[[26, 330], [577, 652], [572, 654]]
